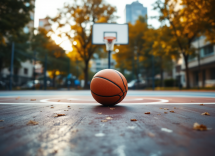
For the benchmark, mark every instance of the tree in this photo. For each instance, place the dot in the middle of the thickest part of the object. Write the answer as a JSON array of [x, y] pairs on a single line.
[[161, 44], [130, 56], [201, 13], [84, 13], [58, 62], [14, 15], [182, 29]]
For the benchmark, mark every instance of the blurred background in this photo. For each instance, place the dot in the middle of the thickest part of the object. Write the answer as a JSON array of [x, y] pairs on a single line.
[[46, 44]]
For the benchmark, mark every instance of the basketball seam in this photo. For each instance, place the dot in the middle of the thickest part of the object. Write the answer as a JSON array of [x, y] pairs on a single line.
[[109, 96], [110, 81], [122, 81], [105, 96]]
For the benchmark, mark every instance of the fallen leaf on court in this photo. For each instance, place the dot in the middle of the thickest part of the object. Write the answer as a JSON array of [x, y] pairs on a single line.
[[159, 114], [174, 107], [17, 98], [40, 111], [1, 127], [202, 104], [109, 118], [151, 134], [104, 121], [31, 122], [55, 151], [57, 115], [99, 113], [1, 120], [199, 127], [66, 110], [58, 101], [147, 112], [33, 99], [166, 108], [112, 108], [172, 111], [205, 113], [68, 106], [161, 108], [52, 107], [133, 119], [165, 112]]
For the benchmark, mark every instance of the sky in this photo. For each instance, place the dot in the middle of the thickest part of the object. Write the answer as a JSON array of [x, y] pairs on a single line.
[[45, 8]]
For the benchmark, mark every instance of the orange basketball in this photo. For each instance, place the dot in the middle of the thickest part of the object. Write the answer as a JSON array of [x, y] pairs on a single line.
[[108, 87]]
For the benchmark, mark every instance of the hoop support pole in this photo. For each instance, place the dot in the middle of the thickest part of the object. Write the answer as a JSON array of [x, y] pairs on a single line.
[[109, 58]]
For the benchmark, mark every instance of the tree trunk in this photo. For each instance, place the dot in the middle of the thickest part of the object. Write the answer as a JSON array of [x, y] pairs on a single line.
[[54, 75], [86, 86], [187, 70]]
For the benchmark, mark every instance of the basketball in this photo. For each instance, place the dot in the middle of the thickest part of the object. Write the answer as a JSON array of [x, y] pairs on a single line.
[[108, 87]]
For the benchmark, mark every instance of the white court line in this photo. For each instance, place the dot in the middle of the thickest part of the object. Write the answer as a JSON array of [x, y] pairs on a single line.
[[100, 104], [160, 101]]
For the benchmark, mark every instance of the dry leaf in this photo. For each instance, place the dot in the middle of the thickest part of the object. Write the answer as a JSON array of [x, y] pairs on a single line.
[[52, 107], [151, 134], [133, 119], [205, 113], [166, 108], [1, 120], [174, 107], [58, 101], [172, 111], [17, 98], [202, 104], [68, 106], [33, 99], [165, 112], [31, 122], [147, 112], [112, 108], [104, 121], [109, 118], [161, 108], [40, 111], [99, 113], [57, 115], [199, 127], [159, 114]]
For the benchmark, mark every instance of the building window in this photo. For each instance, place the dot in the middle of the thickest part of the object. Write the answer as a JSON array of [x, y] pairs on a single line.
[[207, 50], [41, 24], [25, 71], [212, 73], [178, 68]]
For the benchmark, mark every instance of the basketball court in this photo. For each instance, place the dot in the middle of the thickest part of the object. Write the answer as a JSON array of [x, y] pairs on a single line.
[[151, 123], [88, 128]]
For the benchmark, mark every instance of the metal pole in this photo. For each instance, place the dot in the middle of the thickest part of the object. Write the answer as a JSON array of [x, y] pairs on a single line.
[[153, 80], [45, 69], [199, 67], [11, 66], [109, 53], [34, 74]]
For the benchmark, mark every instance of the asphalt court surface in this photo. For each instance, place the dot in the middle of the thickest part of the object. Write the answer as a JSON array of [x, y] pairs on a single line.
[[88, 128]]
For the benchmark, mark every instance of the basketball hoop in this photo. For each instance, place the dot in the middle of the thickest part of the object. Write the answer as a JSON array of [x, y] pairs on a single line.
[[109, 41]]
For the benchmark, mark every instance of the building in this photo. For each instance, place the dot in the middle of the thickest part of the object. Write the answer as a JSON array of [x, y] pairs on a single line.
[[133, 11], [201, 66], [44, 23]]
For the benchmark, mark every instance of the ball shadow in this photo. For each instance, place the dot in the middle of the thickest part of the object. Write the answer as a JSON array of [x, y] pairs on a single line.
[[109, 110]]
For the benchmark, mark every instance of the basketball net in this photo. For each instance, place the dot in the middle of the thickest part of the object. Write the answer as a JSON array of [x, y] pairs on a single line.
[[109, 41]]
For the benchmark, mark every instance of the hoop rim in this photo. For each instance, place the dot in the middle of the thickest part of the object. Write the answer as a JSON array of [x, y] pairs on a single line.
[[109, 38]]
